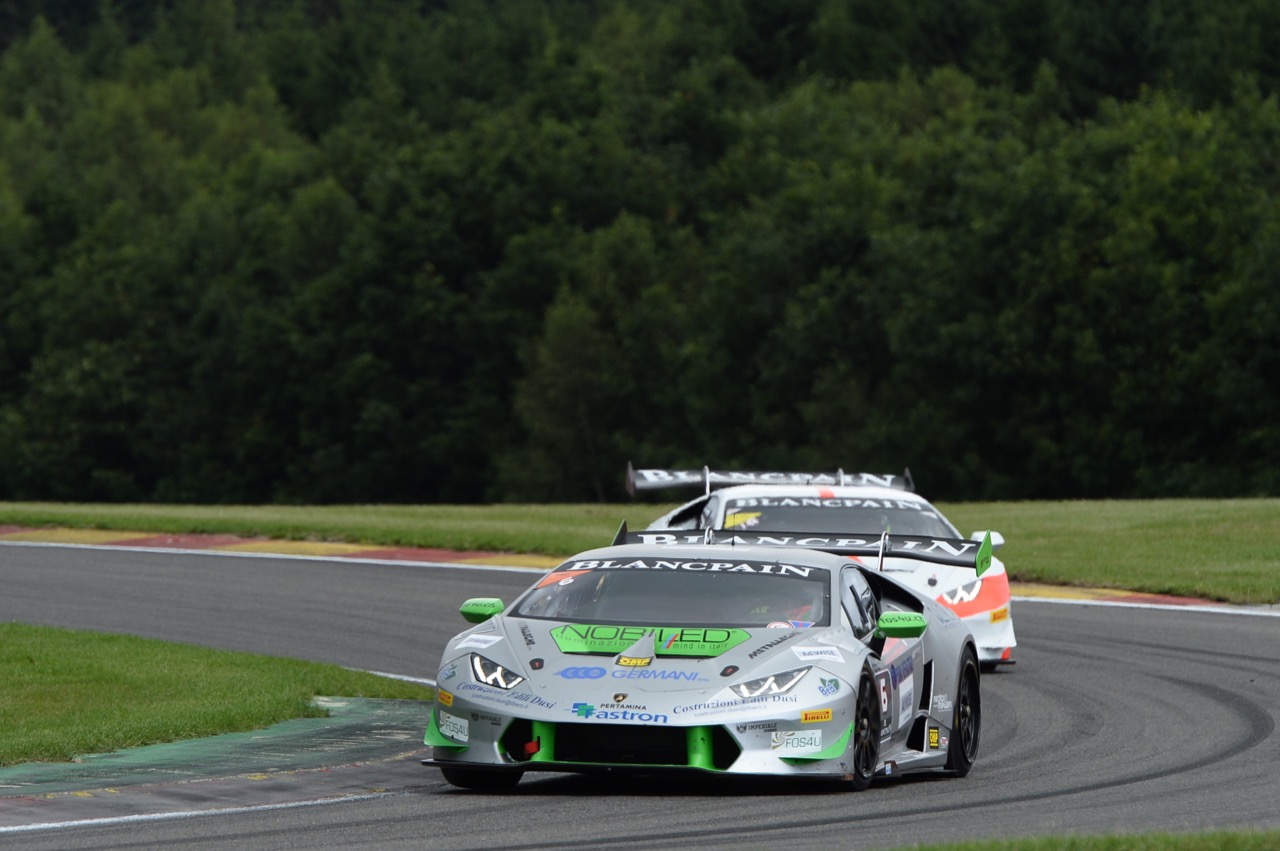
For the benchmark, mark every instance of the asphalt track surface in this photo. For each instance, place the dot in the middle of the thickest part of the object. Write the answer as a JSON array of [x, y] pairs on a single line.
[[1116, 719]]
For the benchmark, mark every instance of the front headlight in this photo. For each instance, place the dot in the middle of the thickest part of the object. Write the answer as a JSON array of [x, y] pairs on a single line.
[[491, 673], [772, 684]]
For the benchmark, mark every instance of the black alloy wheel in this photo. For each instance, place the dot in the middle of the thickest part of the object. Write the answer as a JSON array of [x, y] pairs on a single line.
[[866, 732], [966, 717]]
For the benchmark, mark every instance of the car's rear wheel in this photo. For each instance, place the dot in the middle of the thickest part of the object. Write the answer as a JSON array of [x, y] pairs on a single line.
[[966, 717], [481, 779], [866, 732]]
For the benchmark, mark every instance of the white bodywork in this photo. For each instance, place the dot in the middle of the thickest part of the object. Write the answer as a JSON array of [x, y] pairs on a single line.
[[869, 509]]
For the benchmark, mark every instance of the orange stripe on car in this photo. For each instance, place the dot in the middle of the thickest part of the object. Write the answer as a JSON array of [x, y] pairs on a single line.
[[993, 595]]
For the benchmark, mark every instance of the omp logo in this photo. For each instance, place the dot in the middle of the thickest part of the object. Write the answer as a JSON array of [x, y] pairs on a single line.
[[581, 673], [634, 661], [584, 710]]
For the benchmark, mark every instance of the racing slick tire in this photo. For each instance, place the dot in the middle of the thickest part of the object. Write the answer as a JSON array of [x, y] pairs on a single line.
[[966, 717], [481, 779], [866, 732]]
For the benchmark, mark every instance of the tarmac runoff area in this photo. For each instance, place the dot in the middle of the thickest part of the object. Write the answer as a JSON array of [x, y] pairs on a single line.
[[360, 746]]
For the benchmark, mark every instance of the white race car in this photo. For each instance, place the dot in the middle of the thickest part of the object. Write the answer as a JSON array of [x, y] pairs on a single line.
[[837, 504]]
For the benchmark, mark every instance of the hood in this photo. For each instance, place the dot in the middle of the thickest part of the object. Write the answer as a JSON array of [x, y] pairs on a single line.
[[649, 659]]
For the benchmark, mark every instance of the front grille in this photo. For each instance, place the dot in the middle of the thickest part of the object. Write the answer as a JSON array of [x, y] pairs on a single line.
[[620, 744]]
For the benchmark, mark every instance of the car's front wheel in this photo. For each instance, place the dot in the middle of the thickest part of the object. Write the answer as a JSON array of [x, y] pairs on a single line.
[[966, 717], [481, 779], [866, 732]]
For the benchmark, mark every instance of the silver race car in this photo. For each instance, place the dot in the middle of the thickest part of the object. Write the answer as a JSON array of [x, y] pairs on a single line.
[[730, 654], [862, 503]]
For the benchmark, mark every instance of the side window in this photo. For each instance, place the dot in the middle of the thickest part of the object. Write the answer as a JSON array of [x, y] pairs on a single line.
[[855, 594], [687, 516], [709, 512]]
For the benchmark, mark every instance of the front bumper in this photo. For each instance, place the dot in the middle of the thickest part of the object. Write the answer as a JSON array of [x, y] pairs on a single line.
[[774, 747]]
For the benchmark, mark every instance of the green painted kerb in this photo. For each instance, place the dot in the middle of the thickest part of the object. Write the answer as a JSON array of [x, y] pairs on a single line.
[[357, 730]]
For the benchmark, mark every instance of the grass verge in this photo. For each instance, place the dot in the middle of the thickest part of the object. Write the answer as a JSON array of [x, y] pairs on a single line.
[[1212, 549], [69, 692]]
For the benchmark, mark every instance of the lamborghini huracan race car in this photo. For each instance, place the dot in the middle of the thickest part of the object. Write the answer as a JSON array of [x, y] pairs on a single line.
[[862, 503], [724, 656]]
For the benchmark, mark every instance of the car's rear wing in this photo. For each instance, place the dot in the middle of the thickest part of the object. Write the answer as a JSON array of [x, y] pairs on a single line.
[[956, 552], [708, 479]]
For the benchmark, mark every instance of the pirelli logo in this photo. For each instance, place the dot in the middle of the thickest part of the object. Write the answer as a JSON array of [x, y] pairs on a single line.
[[810, 716], [1000, 615], [446, 699]]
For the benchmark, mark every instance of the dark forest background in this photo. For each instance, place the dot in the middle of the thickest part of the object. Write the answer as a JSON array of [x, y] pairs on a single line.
[[491, 250]]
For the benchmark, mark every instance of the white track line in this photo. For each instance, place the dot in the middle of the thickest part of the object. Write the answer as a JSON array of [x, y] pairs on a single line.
[[189, 814], [1166, 607]]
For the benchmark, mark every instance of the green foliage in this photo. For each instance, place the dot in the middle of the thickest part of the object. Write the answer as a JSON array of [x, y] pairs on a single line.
[[451, 252]]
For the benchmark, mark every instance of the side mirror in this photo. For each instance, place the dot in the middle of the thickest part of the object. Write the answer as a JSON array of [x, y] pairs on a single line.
[[480, 609], [901, 625], [997, 540]]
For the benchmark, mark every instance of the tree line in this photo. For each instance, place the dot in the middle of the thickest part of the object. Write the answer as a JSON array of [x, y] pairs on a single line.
[[332, 252]]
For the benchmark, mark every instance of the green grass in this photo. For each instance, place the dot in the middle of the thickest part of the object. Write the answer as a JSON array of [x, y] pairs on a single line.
[[1213, 549], [544, 529], [68, 692]]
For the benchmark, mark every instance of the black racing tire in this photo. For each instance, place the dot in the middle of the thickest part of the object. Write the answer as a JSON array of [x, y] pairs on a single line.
[[966, 716], [481, 779], [866, 732]]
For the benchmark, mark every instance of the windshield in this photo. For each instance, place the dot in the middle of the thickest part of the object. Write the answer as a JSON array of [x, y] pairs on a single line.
[[837, 514], [651, 592]]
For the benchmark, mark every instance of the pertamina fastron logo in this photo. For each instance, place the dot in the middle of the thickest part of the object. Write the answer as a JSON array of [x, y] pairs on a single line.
[[589, 712]]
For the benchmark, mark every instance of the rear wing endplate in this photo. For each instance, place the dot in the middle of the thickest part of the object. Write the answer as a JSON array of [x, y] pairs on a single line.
[[708, 479]]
